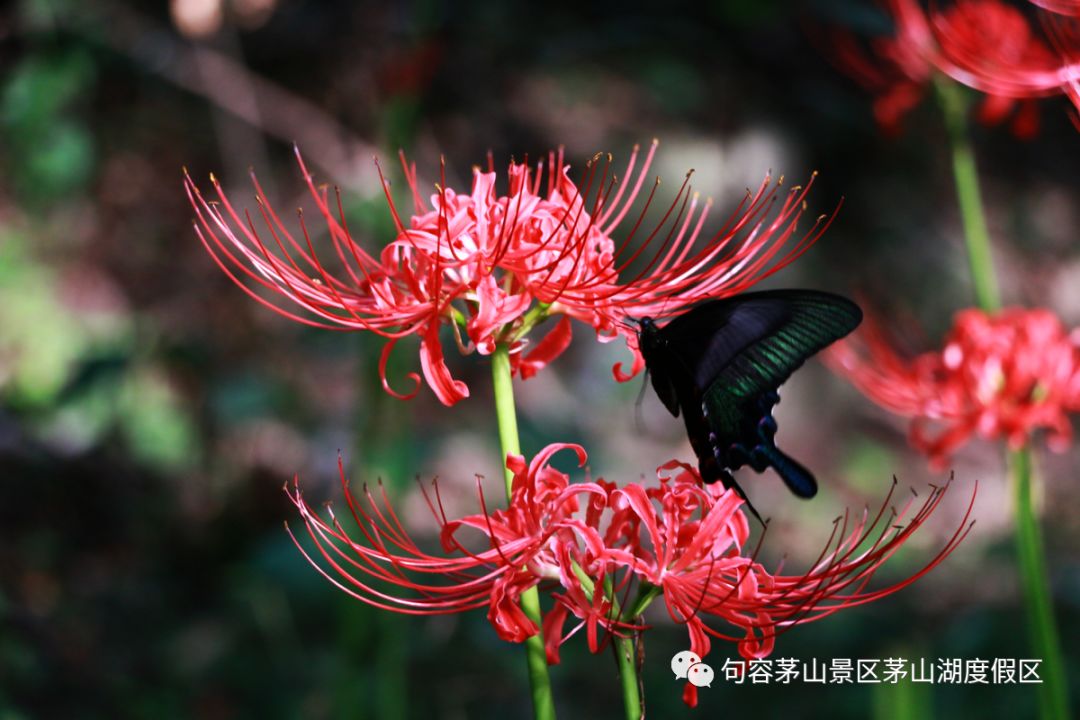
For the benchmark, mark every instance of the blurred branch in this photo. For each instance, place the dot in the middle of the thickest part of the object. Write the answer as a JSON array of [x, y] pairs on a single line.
[[234, 89]]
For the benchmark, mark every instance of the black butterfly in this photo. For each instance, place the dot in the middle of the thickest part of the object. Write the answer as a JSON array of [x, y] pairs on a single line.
[[721, 363]]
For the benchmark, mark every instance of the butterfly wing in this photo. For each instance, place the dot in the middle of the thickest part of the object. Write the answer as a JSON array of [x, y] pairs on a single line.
[[776, 329], [721, 362], [764, 339]]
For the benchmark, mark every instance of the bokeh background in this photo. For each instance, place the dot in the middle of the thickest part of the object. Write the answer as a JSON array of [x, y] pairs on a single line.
[[150, 412]]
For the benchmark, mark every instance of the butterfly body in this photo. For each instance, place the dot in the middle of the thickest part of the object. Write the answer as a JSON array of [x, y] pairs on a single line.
[[720, 364]]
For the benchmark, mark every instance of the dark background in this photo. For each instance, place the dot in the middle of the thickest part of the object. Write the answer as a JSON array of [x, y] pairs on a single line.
[[150, 412]]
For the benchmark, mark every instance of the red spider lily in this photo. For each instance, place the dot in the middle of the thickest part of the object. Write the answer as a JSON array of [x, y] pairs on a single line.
[[897, 73], [955, 40], [993, 48], [588, 543], [1062, 7], [689, 540], [998, 376], [1064, 32], [494, 265]]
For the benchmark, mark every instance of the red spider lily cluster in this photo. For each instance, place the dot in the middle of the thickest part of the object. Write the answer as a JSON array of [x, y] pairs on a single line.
[[492, 265], [999, 376], [993, 48], [989, 45], [590, 543]]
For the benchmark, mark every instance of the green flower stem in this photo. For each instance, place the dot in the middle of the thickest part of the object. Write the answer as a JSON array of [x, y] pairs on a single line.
[[1034, 579], [626, 656], [625, 650], [954, 105], [631, 689], [1053, 694], [647, 592], [536, 657], [536, 315]]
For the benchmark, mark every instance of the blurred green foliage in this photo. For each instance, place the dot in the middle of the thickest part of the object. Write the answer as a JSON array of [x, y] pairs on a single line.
[[50, 144]]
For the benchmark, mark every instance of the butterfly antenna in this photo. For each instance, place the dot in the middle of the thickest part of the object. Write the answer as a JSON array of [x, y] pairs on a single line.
[[749, 505], [760, 519], [731, 483], [639, 418]]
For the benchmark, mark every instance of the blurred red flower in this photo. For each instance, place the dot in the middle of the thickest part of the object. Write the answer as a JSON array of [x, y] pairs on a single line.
[[992, 47], [1063, 7], [590, 543], [492, 266], [999, 376], [986, 44], [897, 71]]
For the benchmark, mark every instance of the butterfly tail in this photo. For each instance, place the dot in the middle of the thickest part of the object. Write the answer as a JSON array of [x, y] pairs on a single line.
[[798, 479]]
